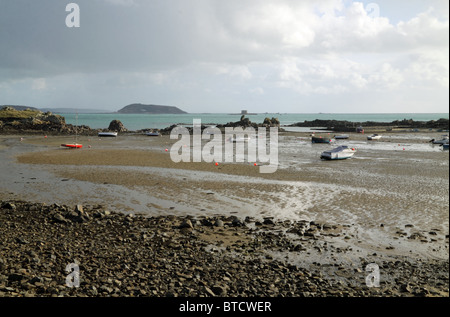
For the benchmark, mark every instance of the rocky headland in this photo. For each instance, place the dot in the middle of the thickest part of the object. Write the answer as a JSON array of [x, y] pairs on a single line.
[[347, 126], [31, 121]]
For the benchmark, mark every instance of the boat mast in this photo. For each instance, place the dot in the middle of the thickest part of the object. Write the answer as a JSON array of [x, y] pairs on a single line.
[[76, 128]]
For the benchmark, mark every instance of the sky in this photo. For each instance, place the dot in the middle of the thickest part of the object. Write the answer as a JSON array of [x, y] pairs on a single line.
[[223, 56]]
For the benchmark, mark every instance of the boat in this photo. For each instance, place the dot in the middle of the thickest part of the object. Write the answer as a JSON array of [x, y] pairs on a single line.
[[239, 139], [153, 133], [320, 140], [444, 140], [341, 137], [107, 134], [374, 137], [72, 146], [340, 153]]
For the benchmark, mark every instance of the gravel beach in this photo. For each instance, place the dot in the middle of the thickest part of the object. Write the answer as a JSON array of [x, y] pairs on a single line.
[[123, 255], [138, 224]]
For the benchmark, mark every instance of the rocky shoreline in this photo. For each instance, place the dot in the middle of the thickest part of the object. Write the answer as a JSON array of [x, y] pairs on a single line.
[[31, 121], [347, 126], [124, 255]]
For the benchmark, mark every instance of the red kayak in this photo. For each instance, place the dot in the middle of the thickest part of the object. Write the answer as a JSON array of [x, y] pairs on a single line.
[[72, 146]]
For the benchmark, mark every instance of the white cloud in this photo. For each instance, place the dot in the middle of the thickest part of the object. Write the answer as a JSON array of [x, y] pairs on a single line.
[[278, 48], [257, 91], [39, 84]]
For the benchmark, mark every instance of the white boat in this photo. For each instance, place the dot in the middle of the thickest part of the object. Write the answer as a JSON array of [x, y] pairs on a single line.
[[374, 137], [341, 137], [107, 134], [444, 140], [152, 134], [340, 153], [239, 139]]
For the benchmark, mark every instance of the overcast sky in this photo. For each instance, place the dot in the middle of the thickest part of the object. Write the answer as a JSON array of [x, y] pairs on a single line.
[[228, 55]]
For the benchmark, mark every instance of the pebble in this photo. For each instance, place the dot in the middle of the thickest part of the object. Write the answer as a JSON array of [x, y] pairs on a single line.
[[122, 255]]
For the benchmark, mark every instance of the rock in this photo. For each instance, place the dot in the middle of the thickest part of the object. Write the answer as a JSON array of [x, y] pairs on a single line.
[[21, 240], [298, 248], [16, 277], [406, 288], [36, 279], [106, 289], [219, 290], [79, 209], [268, 221], [209, 291], [416, 235], [59, 218], [117, 126], [9, 206], [236, 222], [186, 224], [219, 223]]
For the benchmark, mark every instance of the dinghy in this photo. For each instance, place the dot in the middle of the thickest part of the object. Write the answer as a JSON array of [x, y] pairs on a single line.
[[374, 137], [239, 139], [72, 146], [75, 145], [107, 134]]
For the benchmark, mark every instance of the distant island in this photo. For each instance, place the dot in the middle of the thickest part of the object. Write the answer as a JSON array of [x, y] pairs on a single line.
[[56, 110], [150, 109], [135, 108]]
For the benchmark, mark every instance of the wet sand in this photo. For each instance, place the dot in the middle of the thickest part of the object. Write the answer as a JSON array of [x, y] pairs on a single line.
[[393, 194]]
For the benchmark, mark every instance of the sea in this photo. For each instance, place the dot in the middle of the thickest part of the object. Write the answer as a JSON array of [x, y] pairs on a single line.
[[134, 122]]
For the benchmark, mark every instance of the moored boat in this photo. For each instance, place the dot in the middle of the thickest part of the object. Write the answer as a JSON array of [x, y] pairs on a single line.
[[320, 140], [341, 137], [153, 133], [444, 140], [340, 153], [374, 137], [72, 146], [239, 139], [107, 134]]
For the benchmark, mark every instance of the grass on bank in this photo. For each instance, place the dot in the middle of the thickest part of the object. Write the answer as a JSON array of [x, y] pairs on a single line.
[[8, 113]]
